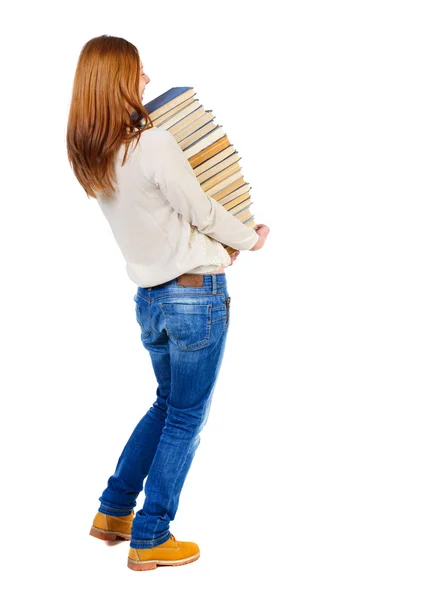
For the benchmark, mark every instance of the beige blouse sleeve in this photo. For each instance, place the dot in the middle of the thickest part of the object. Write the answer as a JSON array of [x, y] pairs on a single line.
[[172, 173]]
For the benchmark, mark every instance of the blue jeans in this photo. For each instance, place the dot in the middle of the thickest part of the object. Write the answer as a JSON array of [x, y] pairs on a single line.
[[185, 330]]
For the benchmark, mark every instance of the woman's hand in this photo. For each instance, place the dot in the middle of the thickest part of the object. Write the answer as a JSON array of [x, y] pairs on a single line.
[[234, 256], [263, 231]]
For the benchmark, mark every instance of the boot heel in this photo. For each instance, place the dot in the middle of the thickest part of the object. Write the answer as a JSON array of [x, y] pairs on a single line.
[[107, 536], [137, 566]]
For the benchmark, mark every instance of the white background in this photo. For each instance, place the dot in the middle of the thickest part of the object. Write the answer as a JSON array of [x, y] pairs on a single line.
[[309, 479]]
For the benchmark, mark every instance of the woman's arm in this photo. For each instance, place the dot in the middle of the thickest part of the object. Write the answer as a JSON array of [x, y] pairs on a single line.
[[171, 171]]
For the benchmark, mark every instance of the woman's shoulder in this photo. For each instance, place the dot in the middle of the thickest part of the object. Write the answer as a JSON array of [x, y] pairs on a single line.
[[157, 136], [158, 145]]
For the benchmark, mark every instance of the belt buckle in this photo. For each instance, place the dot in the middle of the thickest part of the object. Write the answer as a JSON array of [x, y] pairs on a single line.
[[190, 280]]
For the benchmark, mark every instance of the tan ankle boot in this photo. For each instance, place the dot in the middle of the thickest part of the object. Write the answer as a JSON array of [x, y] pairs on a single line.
[[109, 528], [170, 553]]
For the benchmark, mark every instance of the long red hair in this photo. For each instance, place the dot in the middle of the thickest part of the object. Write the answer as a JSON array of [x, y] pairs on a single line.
[[105, 109]]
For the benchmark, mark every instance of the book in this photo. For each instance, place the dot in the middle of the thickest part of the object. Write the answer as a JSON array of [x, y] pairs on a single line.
[[214, 160]]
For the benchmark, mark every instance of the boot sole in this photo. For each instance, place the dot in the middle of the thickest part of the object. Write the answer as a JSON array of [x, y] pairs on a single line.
[[108, 536], [147, 565]]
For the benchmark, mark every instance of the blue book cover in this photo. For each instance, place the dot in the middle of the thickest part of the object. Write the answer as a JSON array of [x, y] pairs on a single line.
[[164, 98]]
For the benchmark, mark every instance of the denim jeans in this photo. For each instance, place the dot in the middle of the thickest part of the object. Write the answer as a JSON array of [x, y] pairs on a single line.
[[185, 330]]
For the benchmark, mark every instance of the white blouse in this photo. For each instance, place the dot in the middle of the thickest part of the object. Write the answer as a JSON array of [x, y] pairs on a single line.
[[162, 220]]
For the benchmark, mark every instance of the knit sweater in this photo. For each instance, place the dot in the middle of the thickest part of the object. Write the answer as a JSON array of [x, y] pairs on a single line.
[[162, 220]]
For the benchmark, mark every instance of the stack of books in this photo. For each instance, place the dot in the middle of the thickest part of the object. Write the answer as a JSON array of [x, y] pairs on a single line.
[[212, 157]]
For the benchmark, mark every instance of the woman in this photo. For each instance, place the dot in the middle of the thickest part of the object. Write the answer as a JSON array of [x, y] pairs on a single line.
[[169, 232]]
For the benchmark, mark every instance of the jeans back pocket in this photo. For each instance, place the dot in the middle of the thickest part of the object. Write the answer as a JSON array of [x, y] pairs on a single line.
[[188, 324]]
